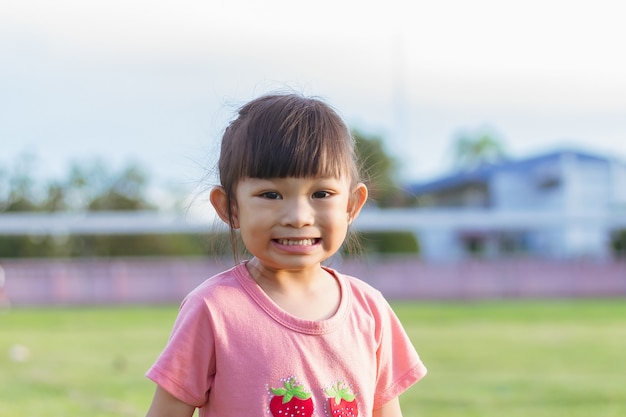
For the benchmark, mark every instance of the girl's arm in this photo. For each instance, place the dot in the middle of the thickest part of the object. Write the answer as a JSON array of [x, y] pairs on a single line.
[[391, 409], [165, 404]]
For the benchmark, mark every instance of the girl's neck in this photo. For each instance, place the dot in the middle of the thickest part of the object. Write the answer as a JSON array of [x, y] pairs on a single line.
[[284, 278], [311, 294]]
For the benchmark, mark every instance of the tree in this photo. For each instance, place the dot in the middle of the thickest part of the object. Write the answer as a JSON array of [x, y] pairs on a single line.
[[379, 169], [94, 187], [475, 148], [618, 243], [18, 186], [123, 191], [87, 186], [55, 197]]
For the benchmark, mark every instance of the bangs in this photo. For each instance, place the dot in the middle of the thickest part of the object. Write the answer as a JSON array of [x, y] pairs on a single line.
[[299, 152], [304, 140]]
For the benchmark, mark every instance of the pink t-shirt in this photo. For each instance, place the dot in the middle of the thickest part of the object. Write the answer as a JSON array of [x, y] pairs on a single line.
[[233, 350]]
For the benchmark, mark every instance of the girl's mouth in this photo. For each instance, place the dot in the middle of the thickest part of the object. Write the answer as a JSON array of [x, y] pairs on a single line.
[[297, 242]]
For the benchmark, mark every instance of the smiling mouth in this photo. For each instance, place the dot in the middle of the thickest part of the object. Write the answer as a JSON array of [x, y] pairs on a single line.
[[297, 242]]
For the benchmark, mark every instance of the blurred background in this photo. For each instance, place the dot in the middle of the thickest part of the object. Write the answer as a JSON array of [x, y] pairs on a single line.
[[154, 83], [490, 131], [494, 135]]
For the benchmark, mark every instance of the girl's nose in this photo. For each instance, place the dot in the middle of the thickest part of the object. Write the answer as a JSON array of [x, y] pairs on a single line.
[[298, 213]]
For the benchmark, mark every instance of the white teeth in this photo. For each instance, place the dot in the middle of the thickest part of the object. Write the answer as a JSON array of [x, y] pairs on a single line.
[[301, 242]]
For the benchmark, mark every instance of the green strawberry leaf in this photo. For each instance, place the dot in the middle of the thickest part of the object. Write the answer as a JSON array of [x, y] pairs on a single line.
[[302, 395], [291, 390], [340, 392]]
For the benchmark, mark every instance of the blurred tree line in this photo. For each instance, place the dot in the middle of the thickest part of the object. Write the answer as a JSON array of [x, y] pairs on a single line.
[[95, 186], [87, 186]]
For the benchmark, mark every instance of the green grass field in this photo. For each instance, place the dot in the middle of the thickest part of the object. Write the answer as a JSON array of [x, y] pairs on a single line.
[[505, 358]]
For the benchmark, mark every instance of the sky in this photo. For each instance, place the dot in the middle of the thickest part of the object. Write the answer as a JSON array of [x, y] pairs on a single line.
[[155, 82]]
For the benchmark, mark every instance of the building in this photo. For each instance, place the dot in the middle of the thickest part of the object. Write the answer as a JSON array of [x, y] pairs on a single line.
[[564, 204]]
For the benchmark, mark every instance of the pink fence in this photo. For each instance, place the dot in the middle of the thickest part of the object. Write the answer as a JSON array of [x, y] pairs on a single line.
[[128, 281]]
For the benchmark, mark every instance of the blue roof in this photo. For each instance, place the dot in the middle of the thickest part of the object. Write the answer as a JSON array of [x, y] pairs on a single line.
[[482, 173]]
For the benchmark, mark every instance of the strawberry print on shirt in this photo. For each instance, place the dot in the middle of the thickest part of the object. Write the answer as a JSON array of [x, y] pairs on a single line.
[[341, 401], [291, 400]]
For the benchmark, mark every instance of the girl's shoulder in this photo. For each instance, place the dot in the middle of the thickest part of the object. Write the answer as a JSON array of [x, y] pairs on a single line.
[[219, 285], [359, 289], [357, 284]]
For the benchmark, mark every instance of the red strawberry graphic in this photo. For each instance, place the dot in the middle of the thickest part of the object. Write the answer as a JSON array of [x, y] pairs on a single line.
[[291, 401], [342, 402]]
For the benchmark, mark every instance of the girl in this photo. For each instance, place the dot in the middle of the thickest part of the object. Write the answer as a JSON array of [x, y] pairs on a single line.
[[281, 335]]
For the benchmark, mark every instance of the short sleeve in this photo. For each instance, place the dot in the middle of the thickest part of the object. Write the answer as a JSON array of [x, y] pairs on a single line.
[[399, 365], [185, 368]]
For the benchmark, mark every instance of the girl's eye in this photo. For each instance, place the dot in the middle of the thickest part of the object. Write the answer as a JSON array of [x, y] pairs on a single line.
[[271, 195], [321, 194]]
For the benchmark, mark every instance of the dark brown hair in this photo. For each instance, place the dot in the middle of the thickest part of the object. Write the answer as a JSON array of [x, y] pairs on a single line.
[[285, 135]]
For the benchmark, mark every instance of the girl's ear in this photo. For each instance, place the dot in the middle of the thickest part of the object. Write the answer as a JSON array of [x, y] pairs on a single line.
[[359, 197], [220, 203]]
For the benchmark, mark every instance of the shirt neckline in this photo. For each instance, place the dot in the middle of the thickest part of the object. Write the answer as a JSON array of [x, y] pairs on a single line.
[[313, 327]]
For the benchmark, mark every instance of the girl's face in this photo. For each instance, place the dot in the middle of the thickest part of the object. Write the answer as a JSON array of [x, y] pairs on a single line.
[[295, 223]]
